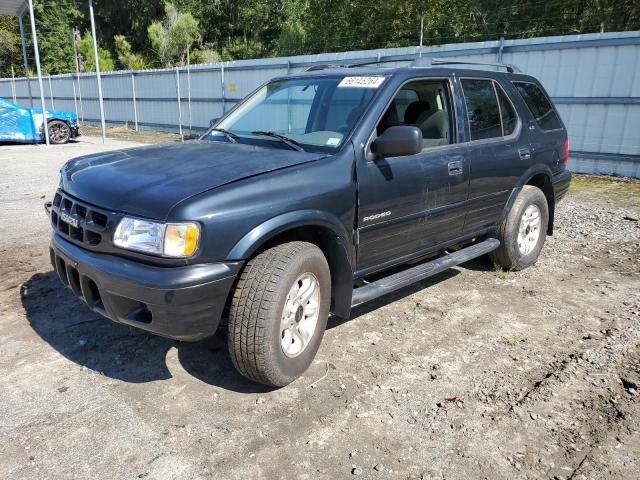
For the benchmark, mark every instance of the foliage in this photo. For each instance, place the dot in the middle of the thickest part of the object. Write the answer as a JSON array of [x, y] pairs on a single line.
[[126, 58], [242, 49], [204, 55], [171, 38], [10, 52], [85, 49], [235, 29]]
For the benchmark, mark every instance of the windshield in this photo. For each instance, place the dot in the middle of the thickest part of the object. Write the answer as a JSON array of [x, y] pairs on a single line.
[[315, 114]]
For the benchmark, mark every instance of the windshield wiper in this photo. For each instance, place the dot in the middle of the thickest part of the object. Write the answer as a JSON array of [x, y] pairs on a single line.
[[232, 137], [290, 142]]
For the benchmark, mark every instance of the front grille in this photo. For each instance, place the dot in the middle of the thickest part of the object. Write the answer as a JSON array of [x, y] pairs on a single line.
[[81, 223]]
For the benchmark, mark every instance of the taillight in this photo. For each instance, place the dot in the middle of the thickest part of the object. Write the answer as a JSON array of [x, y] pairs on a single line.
[[565, 159]]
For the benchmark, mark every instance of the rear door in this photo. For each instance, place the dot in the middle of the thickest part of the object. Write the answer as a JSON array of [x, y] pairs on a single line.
[[497, 157], [546, 131], [409, 204]]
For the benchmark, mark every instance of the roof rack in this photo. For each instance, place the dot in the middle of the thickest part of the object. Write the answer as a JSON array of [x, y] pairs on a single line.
[[423, 62], [324, 66], [429, 62]]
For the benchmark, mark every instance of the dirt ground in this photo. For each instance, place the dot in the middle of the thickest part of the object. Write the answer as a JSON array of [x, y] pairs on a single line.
[[476, 373]]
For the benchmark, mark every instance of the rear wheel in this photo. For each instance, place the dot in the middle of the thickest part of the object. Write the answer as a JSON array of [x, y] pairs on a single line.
[[523, 231], [59, 132], [279, 312]]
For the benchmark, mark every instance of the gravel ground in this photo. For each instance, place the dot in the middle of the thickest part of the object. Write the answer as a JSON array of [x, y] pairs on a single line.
[[476, 373]]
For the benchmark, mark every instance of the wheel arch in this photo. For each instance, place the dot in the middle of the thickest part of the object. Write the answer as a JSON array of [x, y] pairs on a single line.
[[538, 176], [317, 227]]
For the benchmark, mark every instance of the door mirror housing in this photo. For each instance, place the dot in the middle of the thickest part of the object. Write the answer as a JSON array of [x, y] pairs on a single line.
[[213, 121], [398, 141]]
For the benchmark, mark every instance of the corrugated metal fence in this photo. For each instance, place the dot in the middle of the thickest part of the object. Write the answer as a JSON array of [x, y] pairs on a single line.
[[594, 80]]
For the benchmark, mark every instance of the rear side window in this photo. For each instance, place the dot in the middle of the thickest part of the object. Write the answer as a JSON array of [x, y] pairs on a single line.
[[539, 105], [482, 109]]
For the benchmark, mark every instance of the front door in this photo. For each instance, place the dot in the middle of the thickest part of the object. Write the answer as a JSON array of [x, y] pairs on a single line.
[[408, 204]]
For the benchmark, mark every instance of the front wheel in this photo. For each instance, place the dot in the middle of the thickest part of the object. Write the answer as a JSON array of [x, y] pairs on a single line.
[[523, 231], [279, 313], [59, 132]]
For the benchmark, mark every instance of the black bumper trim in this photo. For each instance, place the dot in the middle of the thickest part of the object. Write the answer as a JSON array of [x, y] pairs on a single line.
[[184, 303]]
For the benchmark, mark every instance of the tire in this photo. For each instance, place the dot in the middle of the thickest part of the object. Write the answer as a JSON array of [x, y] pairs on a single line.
[[59, 132], [516, 251], [259, 332]]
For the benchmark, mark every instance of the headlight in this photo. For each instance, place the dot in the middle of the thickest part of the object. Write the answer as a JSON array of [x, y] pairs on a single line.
[[167, 239]]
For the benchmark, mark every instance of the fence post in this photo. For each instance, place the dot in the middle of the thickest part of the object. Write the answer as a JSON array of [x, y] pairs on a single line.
[[189, 90], [75, 100], [133, 95], [224, 109], [500, 48], [13, 84], [179, 104], [80, 99], [51, 94]]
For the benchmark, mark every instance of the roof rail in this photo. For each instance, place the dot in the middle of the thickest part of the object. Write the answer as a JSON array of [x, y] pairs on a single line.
[[429, 62], [324, 66], [418, 62]]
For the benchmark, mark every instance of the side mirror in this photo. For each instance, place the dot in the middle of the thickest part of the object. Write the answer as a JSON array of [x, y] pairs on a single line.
[[213, 121], [398, 141]]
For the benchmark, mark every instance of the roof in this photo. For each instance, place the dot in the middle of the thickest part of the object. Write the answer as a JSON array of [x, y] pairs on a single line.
[[14, 8]]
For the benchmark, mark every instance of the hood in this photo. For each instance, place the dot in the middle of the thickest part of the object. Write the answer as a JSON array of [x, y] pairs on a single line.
[[149, 181]]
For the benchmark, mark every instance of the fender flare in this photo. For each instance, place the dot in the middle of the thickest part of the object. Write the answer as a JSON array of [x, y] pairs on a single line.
[[522, 181], [263, 232], [340, 254]]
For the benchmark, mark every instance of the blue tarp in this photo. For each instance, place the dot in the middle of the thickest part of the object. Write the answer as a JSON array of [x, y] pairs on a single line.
[[21, 124]]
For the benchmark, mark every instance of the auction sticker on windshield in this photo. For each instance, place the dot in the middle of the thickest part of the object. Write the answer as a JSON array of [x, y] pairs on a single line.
[[361, 82]]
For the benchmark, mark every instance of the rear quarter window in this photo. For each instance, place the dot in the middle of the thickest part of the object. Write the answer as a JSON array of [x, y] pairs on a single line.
[[539, 105]]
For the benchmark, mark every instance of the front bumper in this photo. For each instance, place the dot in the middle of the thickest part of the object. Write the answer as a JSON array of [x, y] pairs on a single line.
[[184, 303], [75, 131]]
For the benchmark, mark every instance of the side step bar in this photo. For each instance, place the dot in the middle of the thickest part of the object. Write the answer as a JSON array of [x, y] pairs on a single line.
[[420, 272]]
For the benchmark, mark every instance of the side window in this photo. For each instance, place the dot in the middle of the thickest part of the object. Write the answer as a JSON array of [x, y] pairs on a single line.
[[539, 105], [426, 105], [482, 109], [508, 115]]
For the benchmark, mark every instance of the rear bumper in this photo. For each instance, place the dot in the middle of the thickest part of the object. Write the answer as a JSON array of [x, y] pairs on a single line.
[[75, 131], [561, 183], [184, 303]]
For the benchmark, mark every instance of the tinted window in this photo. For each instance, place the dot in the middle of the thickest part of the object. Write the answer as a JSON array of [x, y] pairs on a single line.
[[539, 105], [509, 118], [482, 109]]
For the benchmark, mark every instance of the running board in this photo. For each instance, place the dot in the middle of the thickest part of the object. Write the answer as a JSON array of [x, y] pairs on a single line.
[[415, 274]]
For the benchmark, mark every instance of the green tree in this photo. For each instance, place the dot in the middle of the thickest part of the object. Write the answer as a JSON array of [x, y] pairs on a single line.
[[85, 49], [126, 58], [55, 36], [204, 54], [10, 53], [171, 38]]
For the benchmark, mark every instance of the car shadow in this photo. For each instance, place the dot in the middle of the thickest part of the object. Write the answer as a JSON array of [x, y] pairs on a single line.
[[119, 351], [134, 356]]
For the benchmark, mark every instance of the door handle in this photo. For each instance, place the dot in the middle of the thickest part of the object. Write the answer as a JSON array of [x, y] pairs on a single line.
[[525, 154], [455, 168]]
